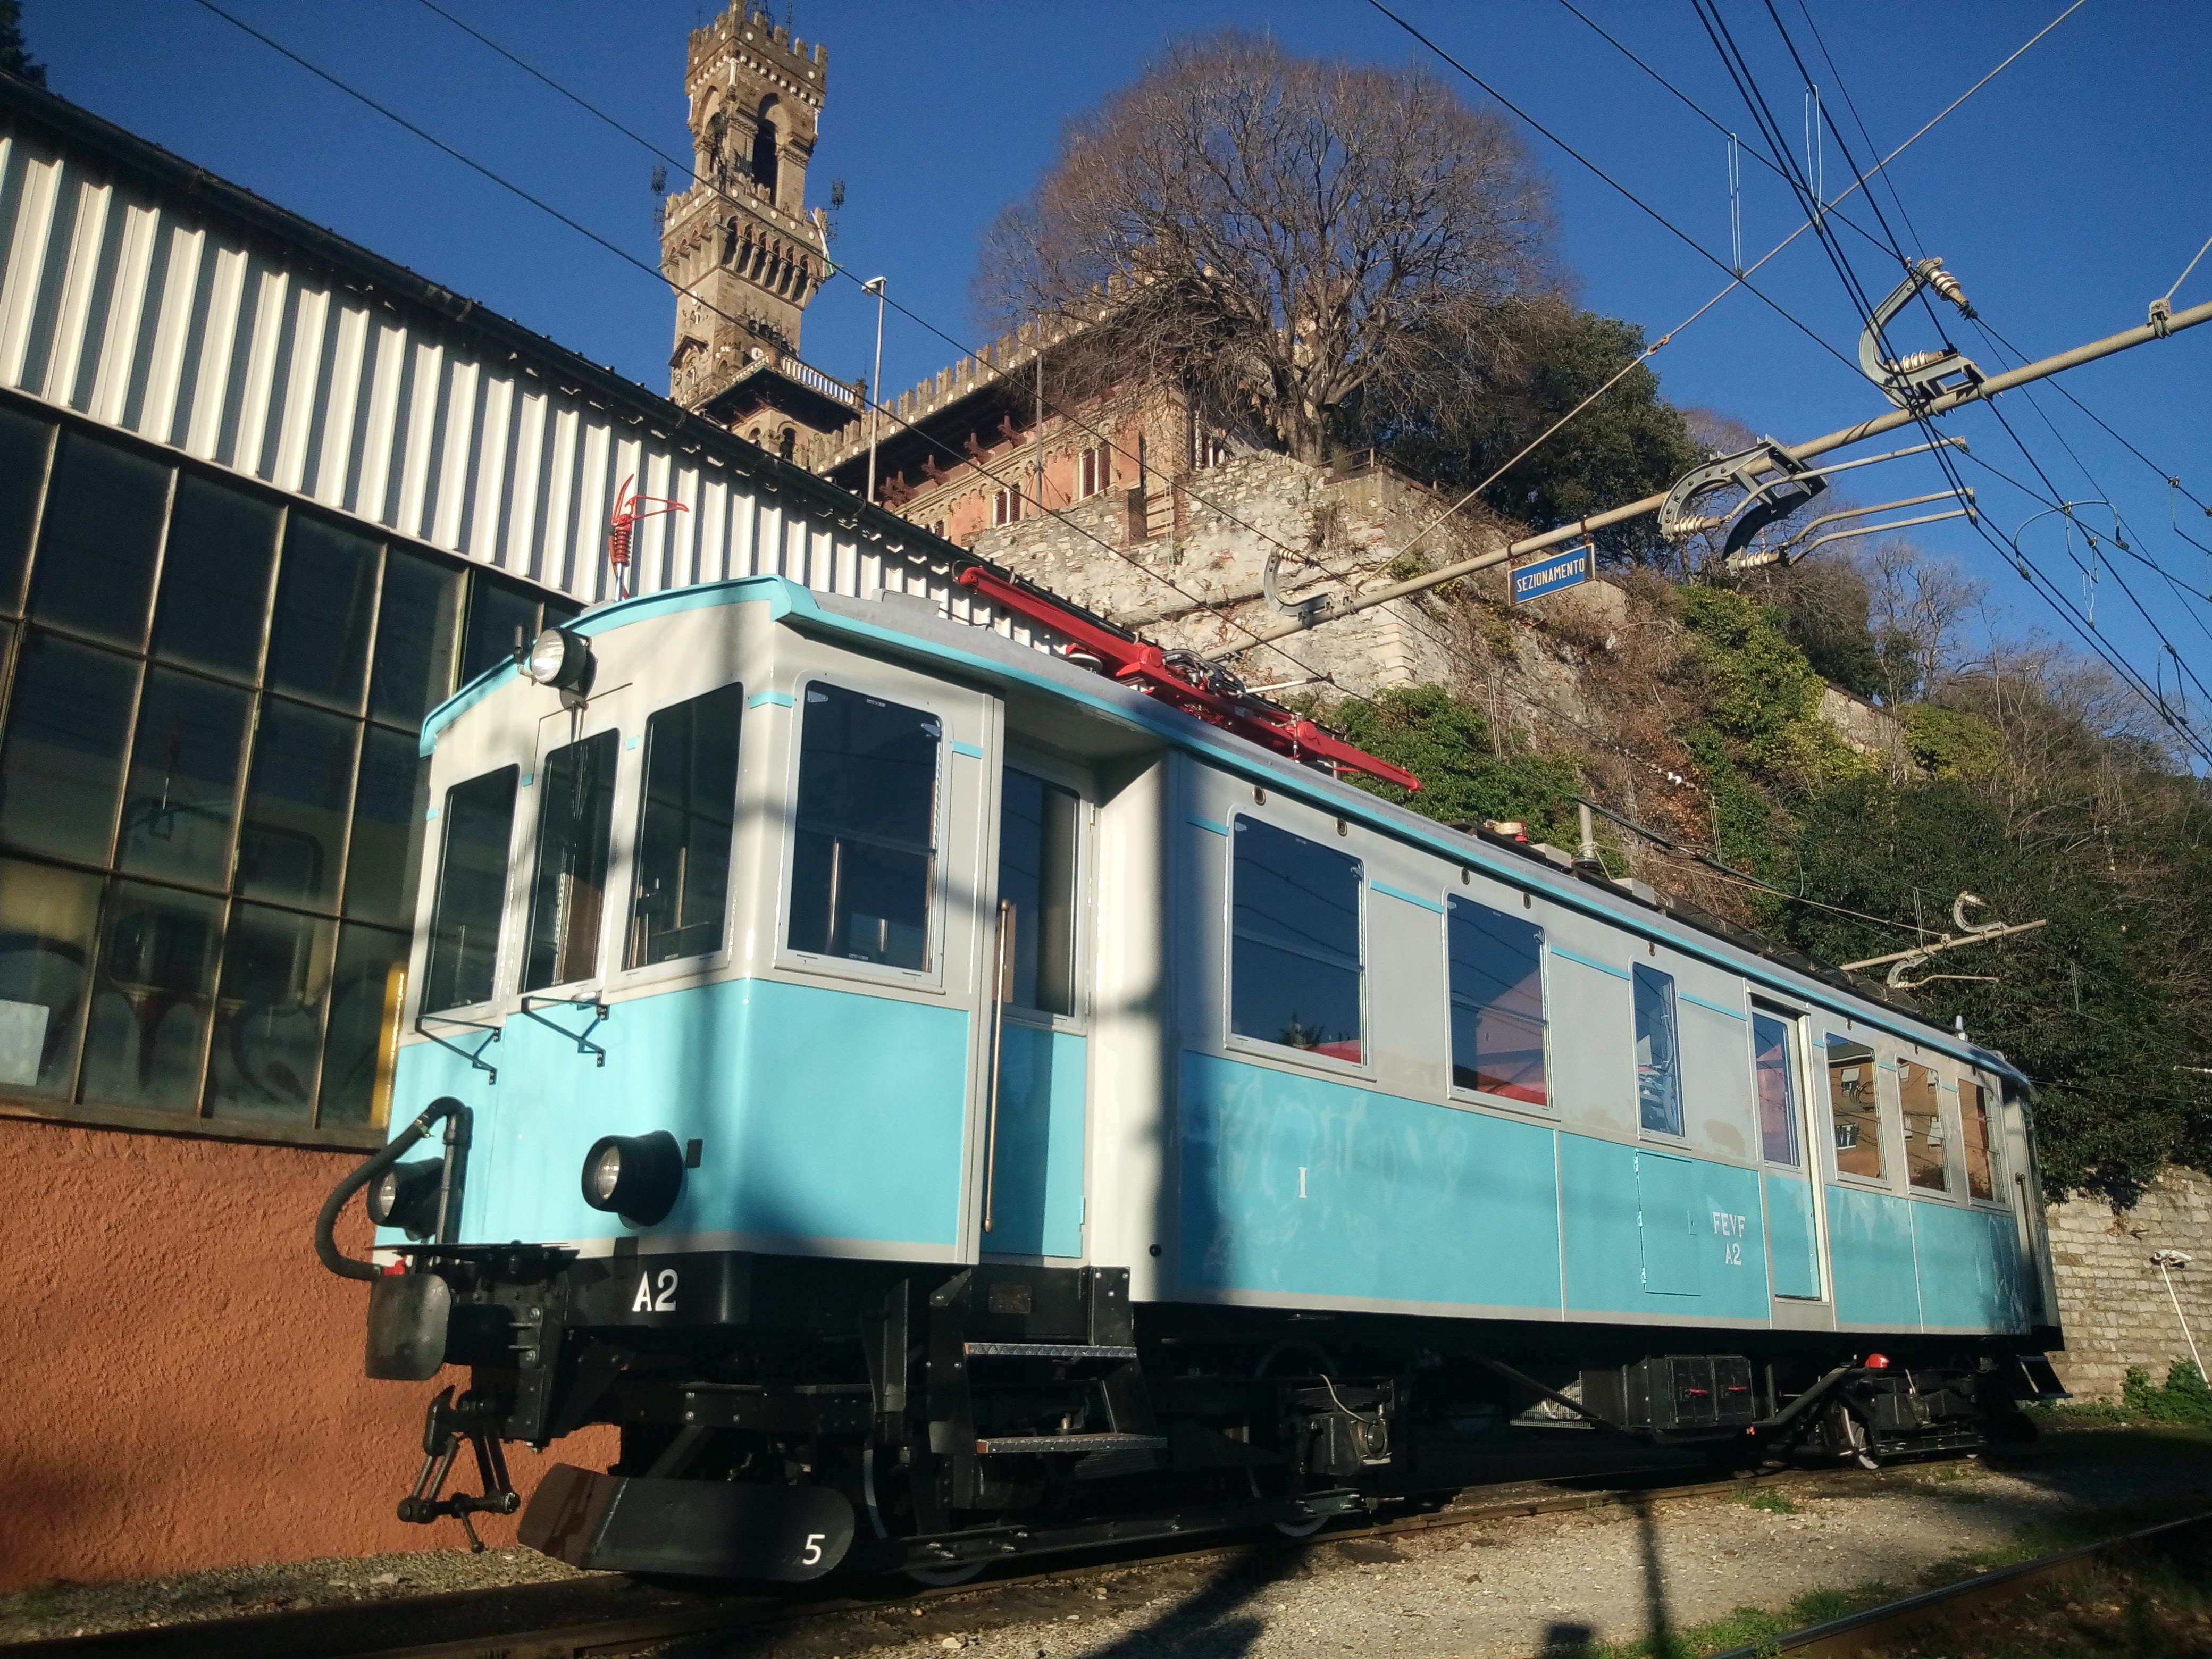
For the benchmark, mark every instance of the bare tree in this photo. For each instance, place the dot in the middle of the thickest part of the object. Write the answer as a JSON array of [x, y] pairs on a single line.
[[1278, 235], [1918, 605]]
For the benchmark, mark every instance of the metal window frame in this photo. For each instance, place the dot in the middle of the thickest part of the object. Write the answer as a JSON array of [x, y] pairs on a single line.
[[197, 1120]]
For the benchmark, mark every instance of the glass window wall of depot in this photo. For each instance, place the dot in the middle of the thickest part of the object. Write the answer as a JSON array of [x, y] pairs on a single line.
[[1036, 891], [864, 864], [212, 805], [1855, 1109], [687, 813], [1658, 1054], [1927, 1146], [1497, 962], [1774, 1065], [1295, 969]]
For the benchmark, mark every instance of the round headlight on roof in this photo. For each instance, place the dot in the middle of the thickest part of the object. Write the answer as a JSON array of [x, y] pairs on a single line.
[[637, 1177], [559, 658]]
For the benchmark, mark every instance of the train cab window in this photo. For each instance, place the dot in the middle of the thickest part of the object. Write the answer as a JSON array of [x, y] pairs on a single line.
[[1294, 967], [685, 816], [1658, 1056], [1036, 890], [864, 869], [479, 822], [1855, 1107], [1497, 1002], [1774, 1063], [1926, 1150], [575, 814], [1974, 1120]]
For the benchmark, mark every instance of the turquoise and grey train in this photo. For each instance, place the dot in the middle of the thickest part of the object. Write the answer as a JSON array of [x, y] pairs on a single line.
[[941, 1101]]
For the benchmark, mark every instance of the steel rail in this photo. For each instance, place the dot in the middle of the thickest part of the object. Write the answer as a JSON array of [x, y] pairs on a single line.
[[1873, 1629], [572, 1618], [1315, 612]]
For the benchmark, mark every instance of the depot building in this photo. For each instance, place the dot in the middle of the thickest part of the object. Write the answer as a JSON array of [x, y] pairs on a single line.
[[265, 500]]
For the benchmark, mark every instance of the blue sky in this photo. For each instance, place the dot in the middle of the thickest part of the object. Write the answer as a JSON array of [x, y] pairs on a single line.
[[2065, 195]]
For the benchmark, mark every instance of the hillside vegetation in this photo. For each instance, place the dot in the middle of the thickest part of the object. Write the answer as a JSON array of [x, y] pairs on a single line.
[[2023, 777]]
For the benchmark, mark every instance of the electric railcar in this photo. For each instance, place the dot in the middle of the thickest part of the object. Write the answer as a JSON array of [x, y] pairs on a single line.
[[940, 1101]]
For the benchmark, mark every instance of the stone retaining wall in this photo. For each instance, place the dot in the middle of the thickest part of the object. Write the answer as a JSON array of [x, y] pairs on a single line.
[[2113, 1301]]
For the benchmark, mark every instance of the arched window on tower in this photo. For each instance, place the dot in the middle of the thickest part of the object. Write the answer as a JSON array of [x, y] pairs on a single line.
[[764, 157], [789, 441]]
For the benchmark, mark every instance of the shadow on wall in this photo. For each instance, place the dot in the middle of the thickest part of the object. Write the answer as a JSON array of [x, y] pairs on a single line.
[[184, 1381]]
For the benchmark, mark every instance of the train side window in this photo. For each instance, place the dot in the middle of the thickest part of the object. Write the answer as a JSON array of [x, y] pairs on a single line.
[[1774, 1062], [1974, 1116], [1925, 1150], [1036, 890], [1497, 1002], [1856, 1108], [1658, 1056], [865, 866], [479, 818], [1294, 967], [686, 813], [575, 816]]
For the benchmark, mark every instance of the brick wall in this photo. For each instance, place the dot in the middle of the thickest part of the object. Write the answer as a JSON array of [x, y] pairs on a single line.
[[2113, 1301]]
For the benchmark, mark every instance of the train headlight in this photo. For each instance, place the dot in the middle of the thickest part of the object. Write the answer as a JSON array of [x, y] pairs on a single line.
[[637, 1177], [560, 658], [406, 1196]]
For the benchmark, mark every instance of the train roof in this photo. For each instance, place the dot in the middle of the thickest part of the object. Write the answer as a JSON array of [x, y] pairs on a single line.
[[913, 627]]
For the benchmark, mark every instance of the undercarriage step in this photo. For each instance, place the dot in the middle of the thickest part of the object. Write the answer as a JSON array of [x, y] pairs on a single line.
[[1037, 1444]]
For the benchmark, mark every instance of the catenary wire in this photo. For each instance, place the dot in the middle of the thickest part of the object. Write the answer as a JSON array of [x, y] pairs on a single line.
[[630, 258], [1717, 28], [2057, 495], [1813, 220], [2170, 479], [1047, 404], [1844, 147], [948, 450], [962, 348], [1726, 871]]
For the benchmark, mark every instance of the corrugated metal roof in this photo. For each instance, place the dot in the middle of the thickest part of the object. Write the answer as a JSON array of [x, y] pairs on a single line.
[[150, 296]]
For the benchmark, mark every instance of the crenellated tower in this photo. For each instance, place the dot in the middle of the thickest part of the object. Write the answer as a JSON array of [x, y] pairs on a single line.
[[741, 247]]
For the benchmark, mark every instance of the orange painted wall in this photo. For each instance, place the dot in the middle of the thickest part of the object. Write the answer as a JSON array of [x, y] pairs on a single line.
[[182, 1380]]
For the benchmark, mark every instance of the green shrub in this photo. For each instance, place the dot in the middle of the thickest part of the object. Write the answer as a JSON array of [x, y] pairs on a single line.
[[2185, 1399]]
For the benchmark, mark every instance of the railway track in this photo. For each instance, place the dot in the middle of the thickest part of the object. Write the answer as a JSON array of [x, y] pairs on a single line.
[[600, 1618], [1936, 1611]]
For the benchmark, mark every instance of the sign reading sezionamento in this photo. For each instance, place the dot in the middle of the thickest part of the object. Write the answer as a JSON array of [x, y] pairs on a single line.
[[1555, 570]]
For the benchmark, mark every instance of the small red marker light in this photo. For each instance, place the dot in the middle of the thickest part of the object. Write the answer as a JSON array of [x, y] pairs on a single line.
[[1877, 1362], [395, 1266]]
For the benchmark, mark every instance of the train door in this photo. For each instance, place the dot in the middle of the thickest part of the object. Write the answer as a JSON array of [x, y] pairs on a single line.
[[1034, 1127], [1787, 1178]]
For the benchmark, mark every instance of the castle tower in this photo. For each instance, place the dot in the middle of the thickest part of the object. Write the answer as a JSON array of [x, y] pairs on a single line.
[[740, 246]]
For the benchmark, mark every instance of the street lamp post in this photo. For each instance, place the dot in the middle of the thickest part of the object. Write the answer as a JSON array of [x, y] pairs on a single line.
[[875, 285]]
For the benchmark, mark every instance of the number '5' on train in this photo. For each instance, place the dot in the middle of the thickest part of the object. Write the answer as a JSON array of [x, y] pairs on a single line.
[[948, 1091]]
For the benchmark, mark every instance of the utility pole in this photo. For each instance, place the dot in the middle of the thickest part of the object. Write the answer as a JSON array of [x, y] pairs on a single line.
[[1327, 608], [875, 285]]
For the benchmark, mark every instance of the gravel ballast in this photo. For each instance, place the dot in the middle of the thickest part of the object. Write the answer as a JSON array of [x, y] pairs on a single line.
[[1611, 1574]]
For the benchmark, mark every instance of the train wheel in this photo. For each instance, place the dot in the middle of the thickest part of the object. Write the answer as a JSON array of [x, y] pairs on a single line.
[[1323, 1365], [1849, 1438]]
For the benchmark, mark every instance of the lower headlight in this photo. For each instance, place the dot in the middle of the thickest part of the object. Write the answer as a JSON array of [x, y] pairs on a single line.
[[406, 1196], [637, 1177]]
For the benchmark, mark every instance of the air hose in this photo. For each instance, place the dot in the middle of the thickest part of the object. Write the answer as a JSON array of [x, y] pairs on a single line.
[[326, 1245]]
